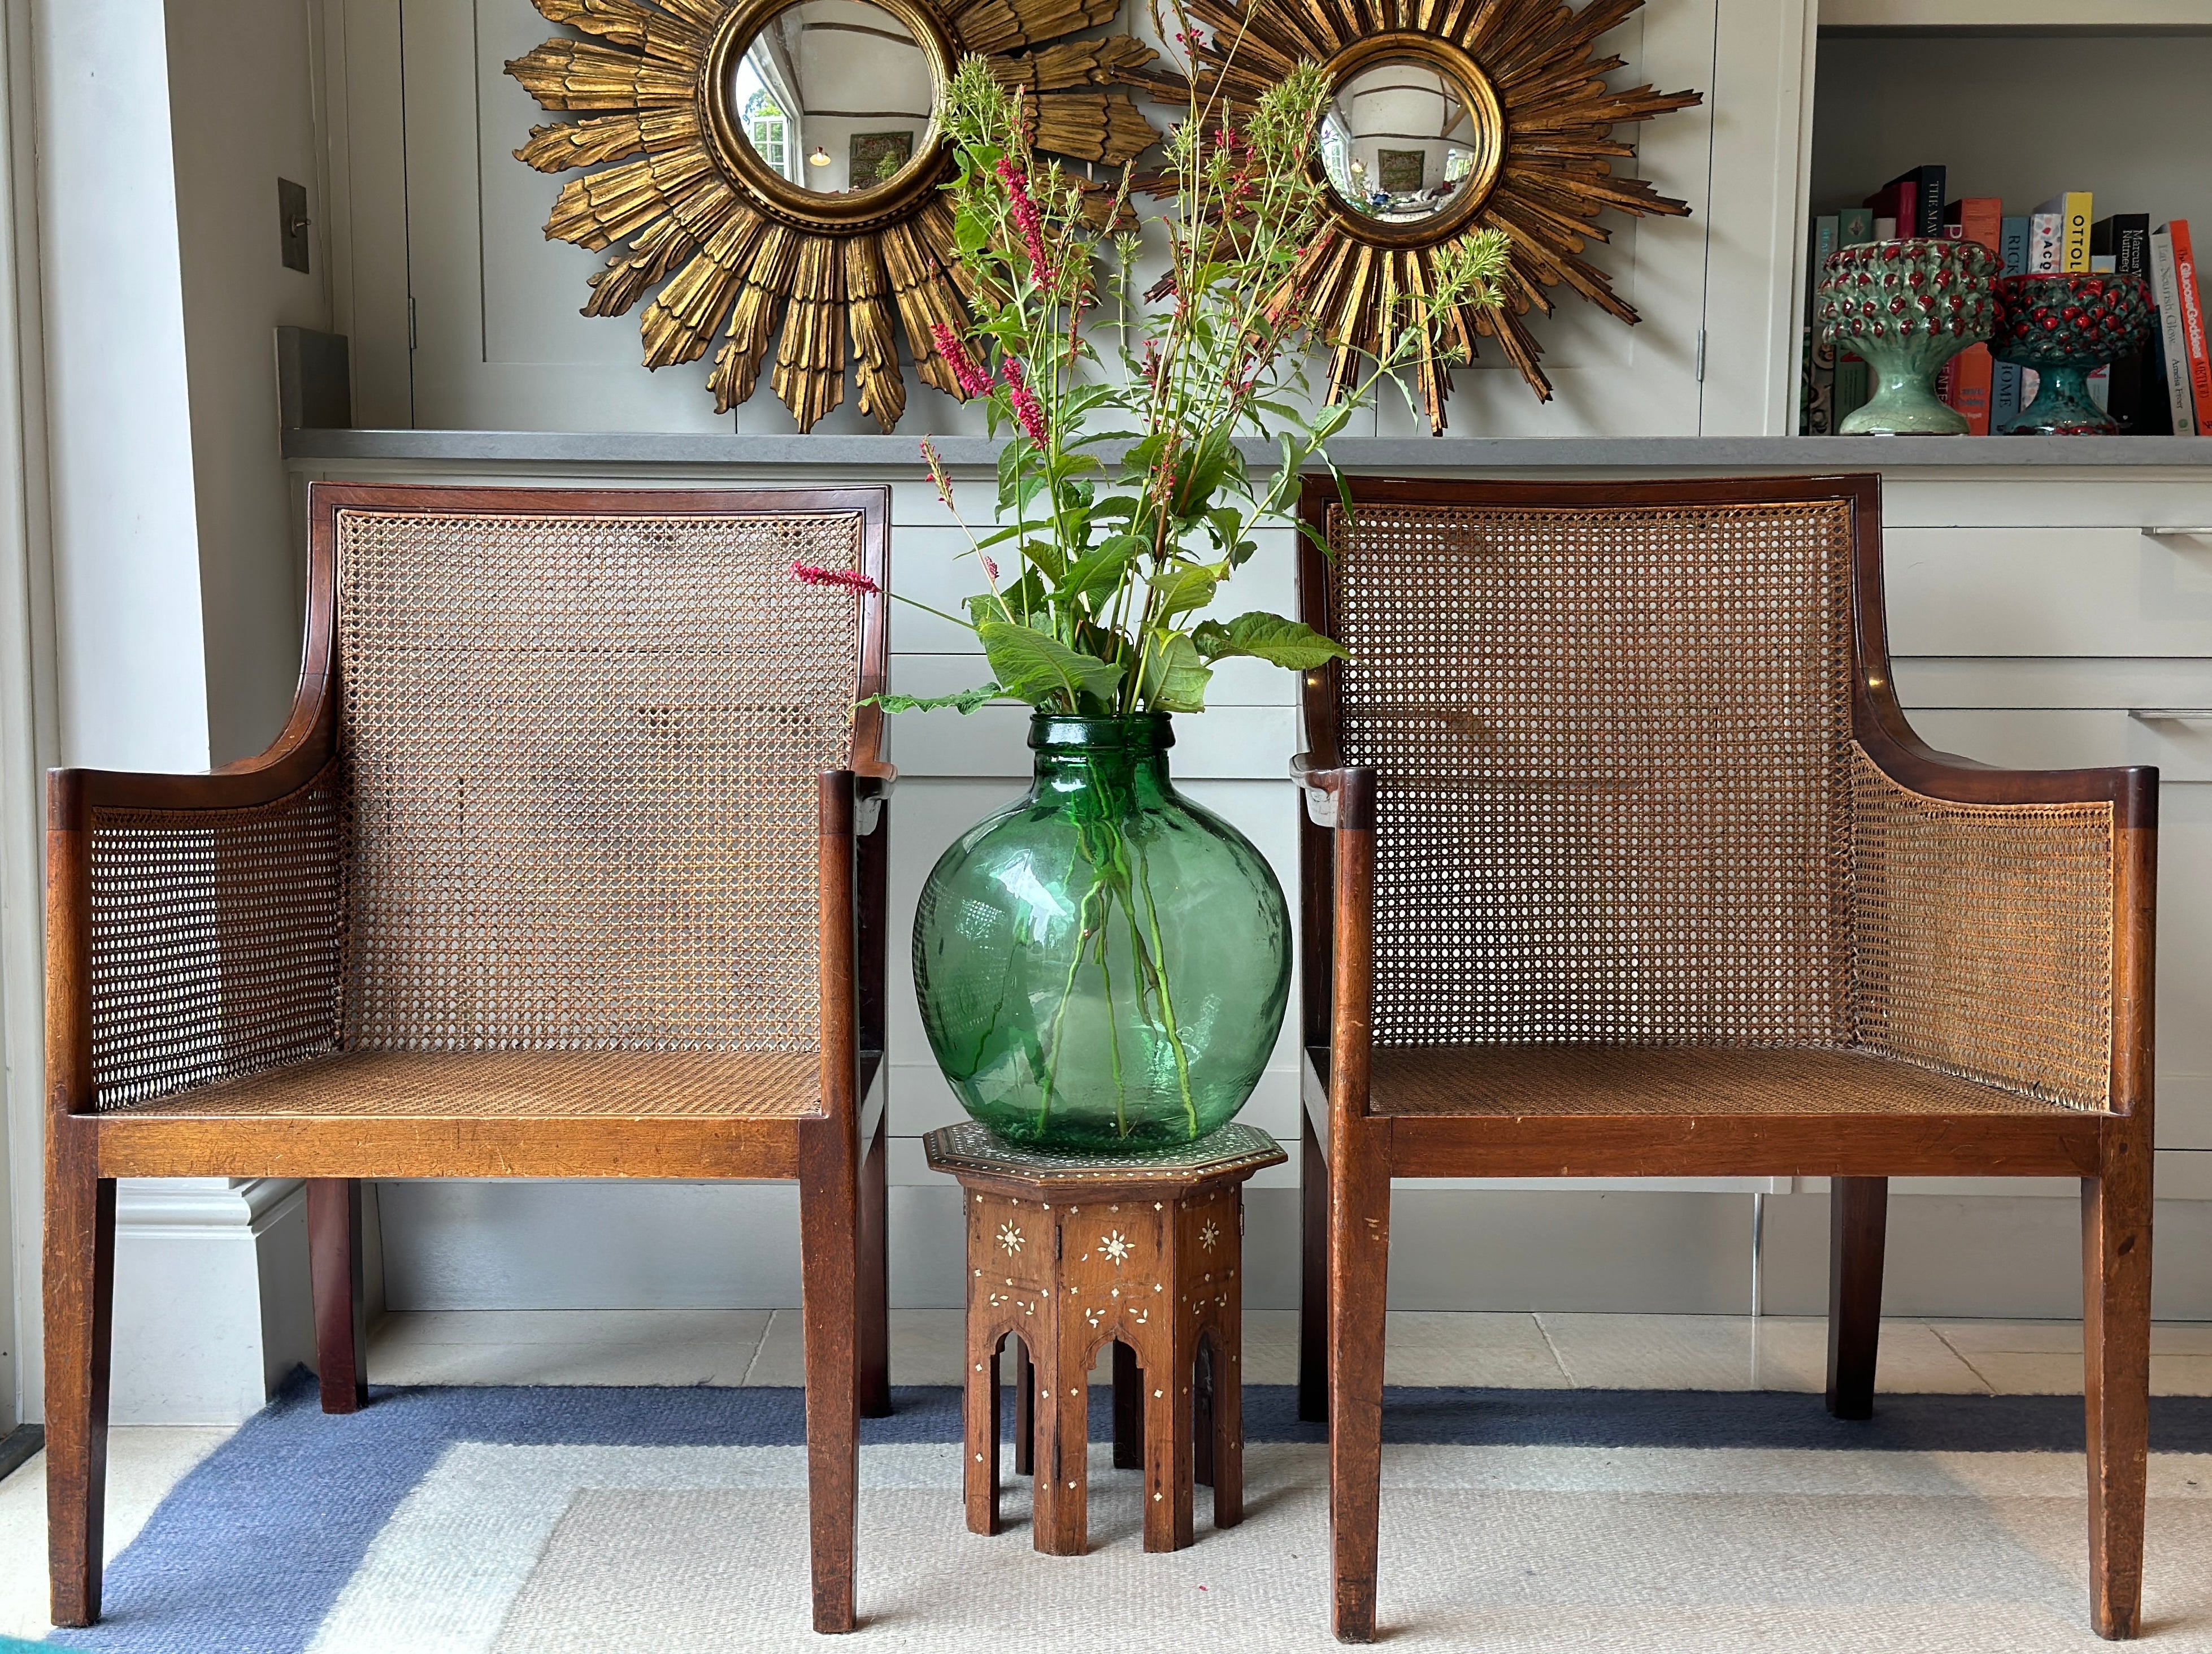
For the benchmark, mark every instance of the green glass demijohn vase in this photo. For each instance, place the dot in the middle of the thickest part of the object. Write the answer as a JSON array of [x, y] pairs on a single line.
[[1102, 967]]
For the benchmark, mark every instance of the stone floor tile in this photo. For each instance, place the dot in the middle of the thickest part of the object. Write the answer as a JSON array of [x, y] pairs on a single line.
[[1483, 1351], [569, 1346], [927, 1347], [1686, 1352], [1975, 1338]]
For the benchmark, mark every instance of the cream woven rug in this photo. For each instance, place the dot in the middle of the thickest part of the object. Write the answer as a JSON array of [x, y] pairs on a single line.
[[673, 1522]]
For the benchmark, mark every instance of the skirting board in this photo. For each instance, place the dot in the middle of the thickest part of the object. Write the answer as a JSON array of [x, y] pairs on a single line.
[[483, 1246], [17, 1447], [211, 1301]]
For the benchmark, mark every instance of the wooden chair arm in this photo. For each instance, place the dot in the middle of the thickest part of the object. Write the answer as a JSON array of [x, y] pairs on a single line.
[[1900, 754], [295, 758]]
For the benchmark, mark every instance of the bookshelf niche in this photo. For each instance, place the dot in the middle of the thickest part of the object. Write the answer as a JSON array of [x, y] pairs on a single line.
[[2017, 99]]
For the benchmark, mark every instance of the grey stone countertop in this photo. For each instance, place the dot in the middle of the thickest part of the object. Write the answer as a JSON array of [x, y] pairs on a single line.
[[691, 450]]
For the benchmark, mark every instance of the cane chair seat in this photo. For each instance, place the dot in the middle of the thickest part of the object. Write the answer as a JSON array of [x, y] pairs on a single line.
[[1522, 1080], [492, 1084]]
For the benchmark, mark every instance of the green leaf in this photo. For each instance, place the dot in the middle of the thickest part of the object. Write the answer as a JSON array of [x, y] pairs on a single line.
[[1175, 677], [1198, 474], [1181, 588], [1116, 507], [966, 701], [1031, 664], [1269, 637], [1026, 596], [1101, 568], [969, 233]]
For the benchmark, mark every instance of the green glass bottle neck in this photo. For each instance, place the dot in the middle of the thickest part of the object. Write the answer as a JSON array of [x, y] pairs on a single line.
[[1124, 761]]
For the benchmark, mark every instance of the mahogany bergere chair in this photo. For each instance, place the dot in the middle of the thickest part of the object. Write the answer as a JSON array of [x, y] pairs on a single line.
[[569, 863], [1621, 860]]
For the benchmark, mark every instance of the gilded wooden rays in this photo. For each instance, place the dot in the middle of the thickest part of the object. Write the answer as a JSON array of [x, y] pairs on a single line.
[[728, 250], [1532, 62]]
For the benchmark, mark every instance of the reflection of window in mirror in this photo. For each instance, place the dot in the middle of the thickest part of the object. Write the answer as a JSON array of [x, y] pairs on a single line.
[[763, 95], [1336, 155], [766, 126]]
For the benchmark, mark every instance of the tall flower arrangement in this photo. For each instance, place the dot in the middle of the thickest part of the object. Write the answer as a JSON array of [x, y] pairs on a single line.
[[1097, 570]]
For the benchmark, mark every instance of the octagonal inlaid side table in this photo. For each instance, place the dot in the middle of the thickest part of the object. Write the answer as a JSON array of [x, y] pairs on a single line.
[[1067, 1254]]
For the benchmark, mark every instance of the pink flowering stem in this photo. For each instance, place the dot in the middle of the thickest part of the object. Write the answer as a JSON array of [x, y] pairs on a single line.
[[851, 579]]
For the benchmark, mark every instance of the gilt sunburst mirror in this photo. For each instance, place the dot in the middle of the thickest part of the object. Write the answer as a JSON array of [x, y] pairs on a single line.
[[1448, 117], [768, 171]]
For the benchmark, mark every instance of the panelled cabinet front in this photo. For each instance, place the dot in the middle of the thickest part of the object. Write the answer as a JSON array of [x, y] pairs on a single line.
[[465, 317]]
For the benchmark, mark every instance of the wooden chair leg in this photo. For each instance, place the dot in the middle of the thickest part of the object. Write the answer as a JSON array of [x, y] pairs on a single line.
[[1128, 1410], [1358, 1284], [1858, 1216], [334, 1268], [80, 1295], [829, 1249], [875, 1297], [1025, 1410], [2116, 1218], [1313, 1282]]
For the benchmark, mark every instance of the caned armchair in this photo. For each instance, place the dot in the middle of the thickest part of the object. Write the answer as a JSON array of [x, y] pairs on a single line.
[[1620, 859], [569, 863]]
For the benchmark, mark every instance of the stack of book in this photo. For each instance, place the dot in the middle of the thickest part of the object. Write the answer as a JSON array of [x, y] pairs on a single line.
[[2165, 391]]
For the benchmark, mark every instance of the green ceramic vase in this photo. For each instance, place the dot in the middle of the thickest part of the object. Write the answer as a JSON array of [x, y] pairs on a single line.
[[2062, 327], [1905, 308], [1103, 966]]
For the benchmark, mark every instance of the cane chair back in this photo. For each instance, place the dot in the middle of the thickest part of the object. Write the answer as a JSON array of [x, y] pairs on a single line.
[[1620, 800], [570, 805]]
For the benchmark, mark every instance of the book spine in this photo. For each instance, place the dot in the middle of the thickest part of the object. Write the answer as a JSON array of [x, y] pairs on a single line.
[[2165, 283], [1932, 181], [2004, 382], [2125, 399], [1971, 378], [2076, 230], [1817, 418], [1850, 383], [2046, 250], [2192, 325]]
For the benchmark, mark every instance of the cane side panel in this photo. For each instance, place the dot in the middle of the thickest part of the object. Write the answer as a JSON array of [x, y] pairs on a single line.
[[1982, 938], [1611, 744], [582, 752], [215, 942]]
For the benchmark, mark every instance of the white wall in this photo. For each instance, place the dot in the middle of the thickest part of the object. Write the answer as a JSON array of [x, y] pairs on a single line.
[[176, 598], [243, 78], [133, 670]]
